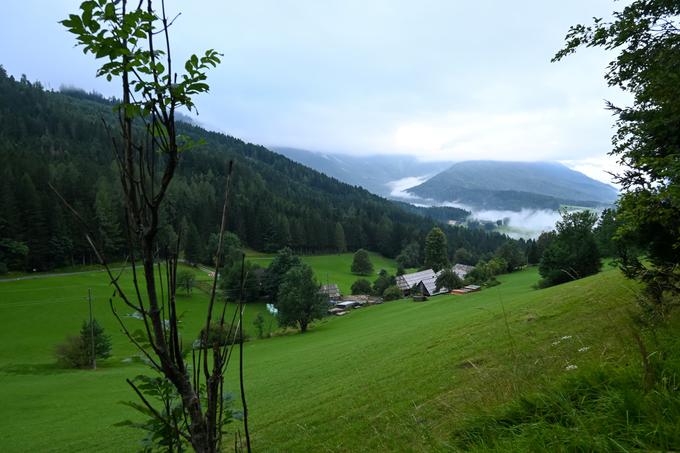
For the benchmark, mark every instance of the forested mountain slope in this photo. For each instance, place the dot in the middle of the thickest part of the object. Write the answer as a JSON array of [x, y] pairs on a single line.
[[60, 138], [515, 185]]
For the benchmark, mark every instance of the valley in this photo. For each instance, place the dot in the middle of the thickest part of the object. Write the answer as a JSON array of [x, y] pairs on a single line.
[[339, 227], [525, 197], [396, 376]]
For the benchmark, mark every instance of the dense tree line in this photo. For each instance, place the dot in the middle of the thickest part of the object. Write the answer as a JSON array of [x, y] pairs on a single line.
[[60, 138]]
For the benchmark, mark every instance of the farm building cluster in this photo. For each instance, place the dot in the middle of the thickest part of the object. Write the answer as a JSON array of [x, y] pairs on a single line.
[[423, 283], [340, 305]]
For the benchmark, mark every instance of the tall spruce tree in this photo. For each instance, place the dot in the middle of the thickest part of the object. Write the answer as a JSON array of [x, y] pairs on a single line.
[[340, 243], [34, 230], [436, 249], [106, 214]]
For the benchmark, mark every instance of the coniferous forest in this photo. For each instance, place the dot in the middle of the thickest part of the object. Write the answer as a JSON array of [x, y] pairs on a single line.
[[61, 138]]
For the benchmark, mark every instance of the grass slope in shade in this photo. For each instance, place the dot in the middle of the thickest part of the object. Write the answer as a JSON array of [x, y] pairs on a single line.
[[401, 376], [335, 268], [603, 408]]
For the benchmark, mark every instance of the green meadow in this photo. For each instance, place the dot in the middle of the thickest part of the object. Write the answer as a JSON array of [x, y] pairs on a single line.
[[401, 376], [335, 268]]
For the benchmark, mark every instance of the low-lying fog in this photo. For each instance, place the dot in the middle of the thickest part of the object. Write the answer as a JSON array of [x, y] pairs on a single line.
[[527, 223], [399, 187]]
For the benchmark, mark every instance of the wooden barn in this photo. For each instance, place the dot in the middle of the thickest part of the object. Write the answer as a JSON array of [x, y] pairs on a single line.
[[425, 281], [407, 281], [429, 288]]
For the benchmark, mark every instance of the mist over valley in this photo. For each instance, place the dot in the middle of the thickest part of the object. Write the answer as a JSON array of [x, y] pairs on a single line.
[[520, 199]]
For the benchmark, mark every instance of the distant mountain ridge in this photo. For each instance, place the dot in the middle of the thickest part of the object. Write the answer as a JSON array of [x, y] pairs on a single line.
[[373, 172], [515, 185]]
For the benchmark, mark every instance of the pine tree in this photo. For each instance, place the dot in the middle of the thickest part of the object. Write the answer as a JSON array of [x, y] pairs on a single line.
[[436, 250], [106, 215], [34, 231], [102, 342], [273, 276], [193, 249], [340, 243]]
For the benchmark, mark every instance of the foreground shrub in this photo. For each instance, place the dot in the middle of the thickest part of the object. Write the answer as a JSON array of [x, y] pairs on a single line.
[[71, 353], [259, 326], [159, 435]]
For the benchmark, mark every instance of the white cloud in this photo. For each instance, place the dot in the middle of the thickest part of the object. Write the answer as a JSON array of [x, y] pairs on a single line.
[[407, 76], [599, 168], [547, 134]]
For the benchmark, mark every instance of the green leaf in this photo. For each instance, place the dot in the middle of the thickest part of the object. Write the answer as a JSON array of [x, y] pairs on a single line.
[[110, 12]]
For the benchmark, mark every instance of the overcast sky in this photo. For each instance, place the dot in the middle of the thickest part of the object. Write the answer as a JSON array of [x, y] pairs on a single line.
[[440, 79]]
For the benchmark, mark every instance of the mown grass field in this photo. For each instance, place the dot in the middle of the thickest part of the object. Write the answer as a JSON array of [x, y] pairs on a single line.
[[396, 377]]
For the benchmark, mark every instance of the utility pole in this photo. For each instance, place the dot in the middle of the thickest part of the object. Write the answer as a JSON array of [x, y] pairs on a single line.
[[94, 357], [328, 289]]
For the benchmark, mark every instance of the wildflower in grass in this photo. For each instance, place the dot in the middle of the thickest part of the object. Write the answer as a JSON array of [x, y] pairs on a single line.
[[555, 343], [570, 367], [583, 349], [566, 337]]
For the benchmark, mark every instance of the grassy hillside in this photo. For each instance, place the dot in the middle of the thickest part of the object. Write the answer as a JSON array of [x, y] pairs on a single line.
[[400, 376], [335, 268]]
